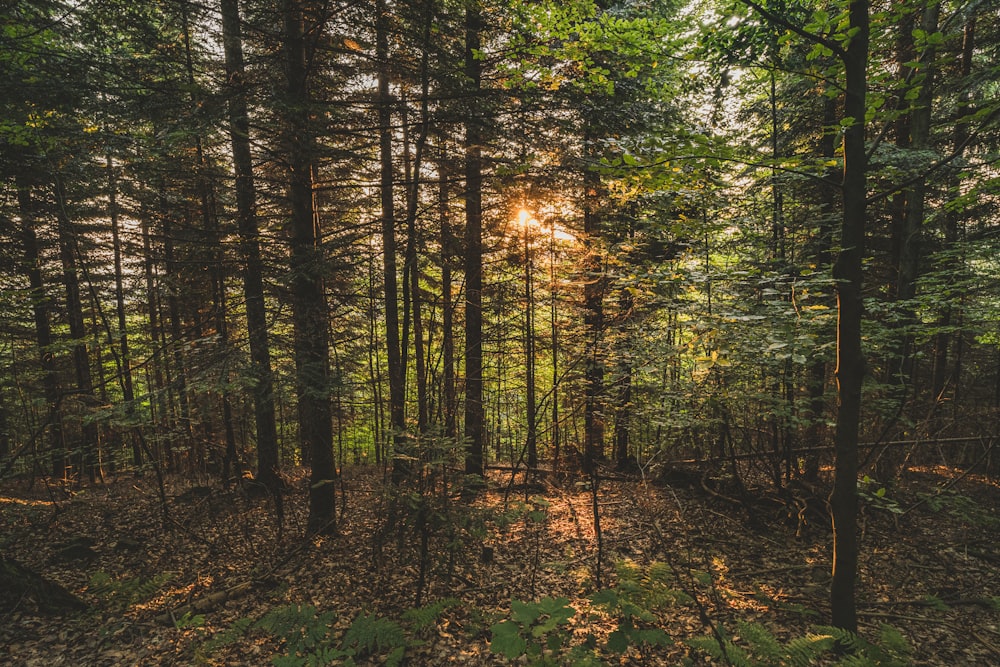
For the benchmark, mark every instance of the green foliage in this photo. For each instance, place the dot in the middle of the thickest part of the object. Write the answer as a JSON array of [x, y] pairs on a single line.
[[309, 639], [875, 494], [121, 594], [305, 631], [639, 593], [372, 635], [422, 619], [960, 507], [755, 646], [189, 620], [535, 629]]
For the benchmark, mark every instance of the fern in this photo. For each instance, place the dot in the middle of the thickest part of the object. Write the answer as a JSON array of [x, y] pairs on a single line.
[[227, 636], [763, 650], [420, 619], [302, 627], [370, 635], [727, 651], [124, 593]]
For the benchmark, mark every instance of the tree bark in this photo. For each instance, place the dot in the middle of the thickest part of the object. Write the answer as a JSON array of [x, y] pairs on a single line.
[[68, 255], [593, 317], [850, 371], [128, 389], [394, 354], [40, 305], [474, 409], [309, 310], [268, 464]]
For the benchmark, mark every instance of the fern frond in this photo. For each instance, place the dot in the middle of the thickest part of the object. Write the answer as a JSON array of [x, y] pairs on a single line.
[[728, 650], [374, 634], [762, 643], [803, 651], [228, 636], [422, 618]]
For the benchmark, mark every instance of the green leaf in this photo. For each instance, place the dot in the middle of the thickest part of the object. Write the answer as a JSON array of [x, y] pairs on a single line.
[[507, 640], [524, 613], [618, 641]]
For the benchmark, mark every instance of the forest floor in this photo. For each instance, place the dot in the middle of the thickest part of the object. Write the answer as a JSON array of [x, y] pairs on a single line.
[[678, 558]]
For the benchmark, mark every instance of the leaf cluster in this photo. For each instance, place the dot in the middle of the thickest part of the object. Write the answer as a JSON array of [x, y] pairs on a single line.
[[755, 646]]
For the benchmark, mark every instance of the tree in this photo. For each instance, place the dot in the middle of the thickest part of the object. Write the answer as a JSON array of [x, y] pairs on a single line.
[[268, 463], [474, 409], [310, 313]]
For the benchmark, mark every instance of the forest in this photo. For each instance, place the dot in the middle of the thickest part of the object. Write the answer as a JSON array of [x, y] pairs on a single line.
[[425, 332]]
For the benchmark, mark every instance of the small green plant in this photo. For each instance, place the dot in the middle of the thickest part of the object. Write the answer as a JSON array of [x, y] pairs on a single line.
[[640, 592], [422, 619], [538, 630], [755, 646], [960, 507], [120, 594], [189, 620], [308, 638], [876, 496]]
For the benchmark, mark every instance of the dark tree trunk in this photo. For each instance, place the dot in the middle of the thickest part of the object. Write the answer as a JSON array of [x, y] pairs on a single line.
[[68, 255], [593, 317], [158, 406], [394, 354], [412, 201], [309, 310], [128, 389], [816, 381], [850, 371], [450, 398], [531, 441], [40, 305], [268, 464], [474, 409], [912, 218]]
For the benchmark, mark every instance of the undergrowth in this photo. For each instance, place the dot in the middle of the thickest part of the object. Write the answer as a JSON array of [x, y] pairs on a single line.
[[309, 638]]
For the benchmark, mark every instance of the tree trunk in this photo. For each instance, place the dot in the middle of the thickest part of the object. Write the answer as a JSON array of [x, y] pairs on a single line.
[[593, 317], [531, 441], [128, 389], [309, 310], [850, 371], [40, 305], [474, 409], [68, 255], [394, 354], [412, 202], [912, 219], [268, 464], [449, 398]]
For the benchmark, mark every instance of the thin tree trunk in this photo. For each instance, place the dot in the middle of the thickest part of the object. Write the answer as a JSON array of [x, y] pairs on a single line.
[[913, 218], [128, 389], [531, 409], [848, 273], [157, 363], [40, 305], [448, 305], [394, 353], [68, 255], [268, 463], [474, 409], [593, 318]]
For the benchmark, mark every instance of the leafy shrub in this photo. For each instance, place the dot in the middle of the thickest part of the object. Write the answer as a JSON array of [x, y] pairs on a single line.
[[308, 637], [759, 648]]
